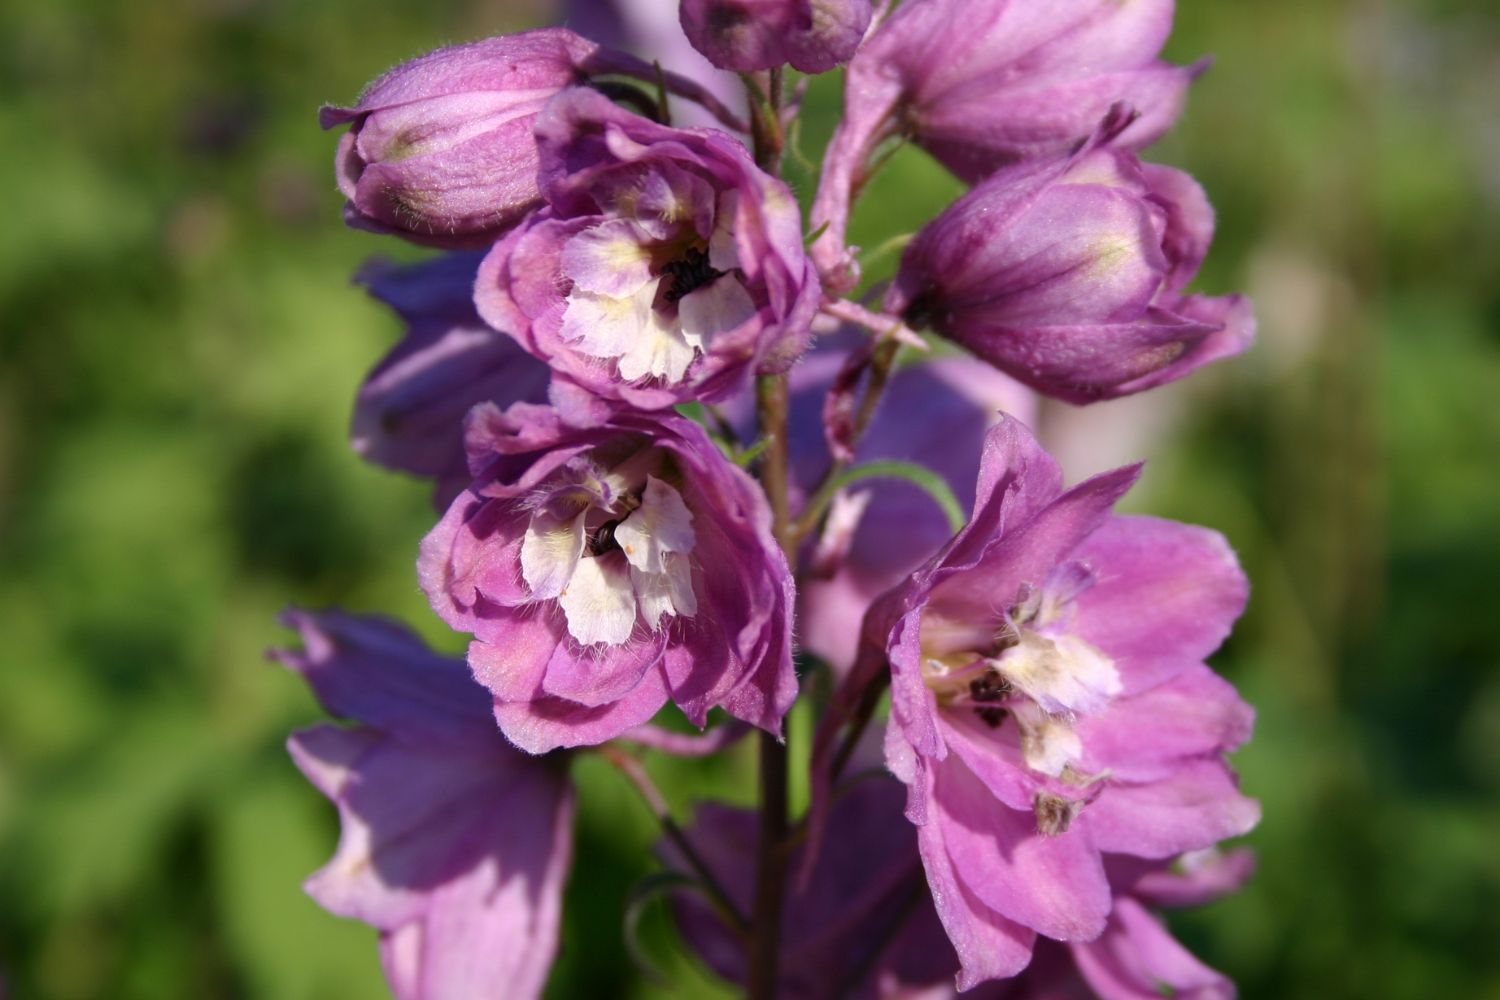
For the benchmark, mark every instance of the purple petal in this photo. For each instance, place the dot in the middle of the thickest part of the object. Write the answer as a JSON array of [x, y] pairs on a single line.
[[1164, 596], [1137, 959], [1196, 807], [1052, 884]]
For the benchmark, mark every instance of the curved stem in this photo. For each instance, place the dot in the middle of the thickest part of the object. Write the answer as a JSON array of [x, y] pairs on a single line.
[[920, 476], [636, 773]]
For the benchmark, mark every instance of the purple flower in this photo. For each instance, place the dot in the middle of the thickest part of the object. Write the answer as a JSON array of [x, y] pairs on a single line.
[[603, 571], [1069, 276], [454, 846], [440, 150], [409, 414], [1050, 704], [746, 35], [982, 84], [865, 926], [862, 927], [666, 266]]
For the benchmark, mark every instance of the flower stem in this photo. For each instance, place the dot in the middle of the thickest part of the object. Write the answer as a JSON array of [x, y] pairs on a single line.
[[763, 956], [770, 871], [767, 131], [636, 773]]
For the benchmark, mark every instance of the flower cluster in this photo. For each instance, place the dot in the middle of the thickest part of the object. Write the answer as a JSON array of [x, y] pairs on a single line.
[[678, 460]]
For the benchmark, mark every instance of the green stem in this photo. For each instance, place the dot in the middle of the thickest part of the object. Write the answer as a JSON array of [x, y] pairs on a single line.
[[920, 476], [635, 772], [764, 952]]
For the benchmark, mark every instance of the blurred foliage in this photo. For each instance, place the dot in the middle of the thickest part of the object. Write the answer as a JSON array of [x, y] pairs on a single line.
[[179, 346]]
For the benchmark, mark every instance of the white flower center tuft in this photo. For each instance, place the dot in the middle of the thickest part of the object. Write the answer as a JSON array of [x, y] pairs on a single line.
[[650, 293], [610, 551], [1035, 671]]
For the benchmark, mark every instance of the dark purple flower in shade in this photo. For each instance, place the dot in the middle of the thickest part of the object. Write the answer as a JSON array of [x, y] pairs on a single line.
[[665, 267], [1050, 704], [1069, 276], [746, 35], [604, 571], [409, 414], [981, 84], [440, 149], [861, 928], [454, 845], [865, 926]]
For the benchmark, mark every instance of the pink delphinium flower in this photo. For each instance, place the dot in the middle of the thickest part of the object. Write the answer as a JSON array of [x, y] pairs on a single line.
[[606, 570], [1069, 275], [1050, 704], [455, 845], [666, 266]]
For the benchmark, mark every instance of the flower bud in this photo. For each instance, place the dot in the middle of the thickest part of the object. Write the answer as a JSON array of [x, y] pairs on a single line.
[[983, 84], [745, 35], [1068, 276], [440, 149]]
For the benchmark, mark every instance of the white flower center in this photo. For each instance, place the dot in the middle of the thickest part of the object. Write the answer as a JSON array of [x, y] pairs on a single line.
[[651, 293], [1035, 671], [610, 551]]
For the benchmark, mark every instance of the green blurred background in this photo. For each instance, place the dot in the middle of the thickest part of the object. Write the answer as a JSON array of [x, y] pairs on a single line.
[[179, 347]]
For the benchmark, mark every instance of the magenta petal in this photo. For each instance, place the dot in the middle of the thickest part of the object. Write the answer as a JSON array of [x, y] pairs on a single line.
[[515, 898], [1199, 878], [1017, 478], [989, 945], [1146, 737], [452, 845], [1030, 557], [1187, 576], [1137, 959], [548, 723], [1198, 806], [1054, 885], [512, 668], [581, 676], [994, 761], [380, 673]]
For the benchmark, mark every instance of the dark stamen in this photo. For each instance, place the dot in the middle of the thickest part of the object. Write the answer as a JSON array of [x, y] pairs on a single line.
[[989, 686], [991, 715], [602, 540], [689, 274]]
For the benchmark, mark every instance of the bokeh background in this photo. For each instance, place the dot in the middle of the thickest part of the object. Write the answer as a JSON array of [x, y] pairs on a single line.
[[179, 347]]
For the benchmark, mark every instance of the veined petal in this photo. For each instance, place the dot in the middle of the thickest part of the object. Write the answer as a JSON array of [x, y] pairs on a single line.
[[723, 252], [599, 603], [666, 593], [714, 309], [661, 524], [549, 553], [609, 259], [630, 330], [1064, 674]]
